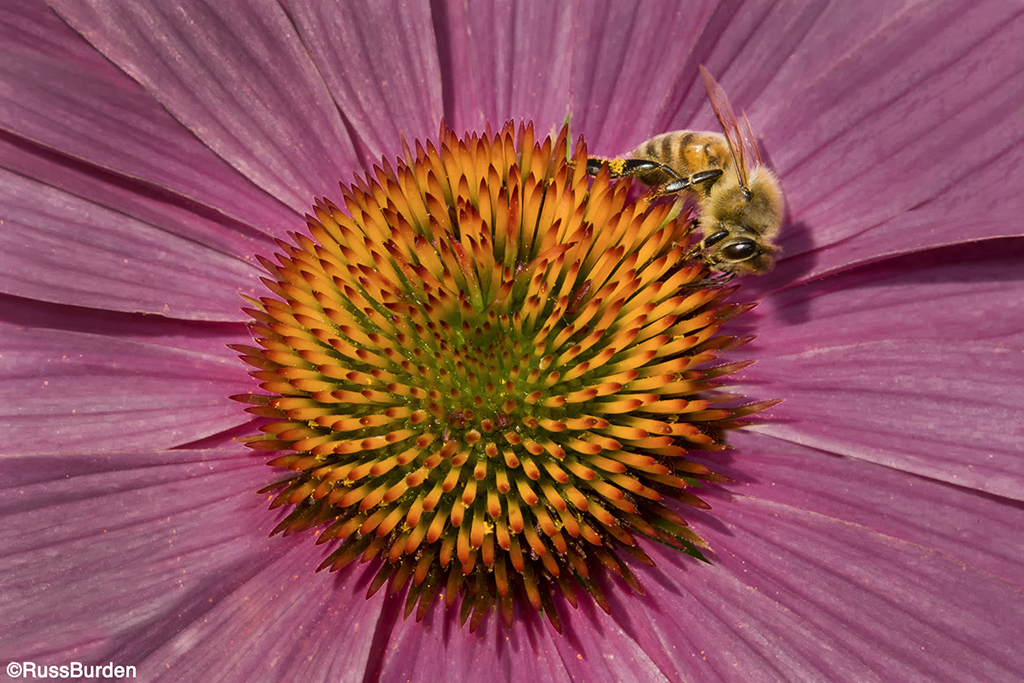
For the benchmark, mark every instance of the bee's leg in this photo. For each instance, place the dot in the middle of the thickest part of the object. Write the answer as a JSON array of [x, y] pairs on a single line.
[[594, 165], [715, 280], [696, 251], [678, 184], [635, 166], [618, 168], [690, 182]]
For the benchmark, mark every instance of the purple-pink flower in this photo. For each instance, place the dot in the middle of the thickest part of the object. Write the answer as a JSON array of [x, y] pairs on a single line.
[[148, 152]]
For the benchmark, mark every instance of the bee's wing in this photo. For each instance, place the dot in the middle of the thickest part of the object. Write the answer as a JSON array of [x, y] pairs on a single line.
[[748, 136], [741, 140]]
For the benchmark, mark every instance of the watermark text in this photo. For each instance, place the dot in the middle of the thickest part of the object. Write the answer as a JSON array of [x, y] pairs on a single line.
[[32, 670]]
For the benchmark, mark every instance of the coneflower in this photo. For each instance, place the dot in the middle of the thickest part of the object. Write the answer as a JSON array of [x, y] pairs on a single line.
[[489, 374], [151, 149]]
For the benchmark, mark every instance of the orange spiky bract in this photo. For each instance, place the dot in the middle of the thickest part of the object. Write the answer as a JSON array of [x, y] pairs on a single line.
[[486, 375]]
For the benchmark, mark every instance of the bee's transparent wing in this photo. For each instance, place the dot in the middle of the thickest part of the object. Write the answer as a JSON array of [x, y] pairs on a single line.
[[741, 139], [751, 141]]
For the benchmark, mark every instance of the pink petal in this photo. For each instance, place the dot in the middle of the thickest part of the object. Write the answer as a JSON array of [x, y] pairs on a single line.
[[285, 622], [592, 647], [380, 63], [62, 95], [155, 559], [199, 338], [913, 364], [100, 549], [938, 101], [766, 52], [967, 292], [64, 249], [247, 88], [67, 390], [791, 596], [623, 78], [963, 524], [948, 410], [503, 61], [797, 596], [602, 648], [418, 651], [175, 214]]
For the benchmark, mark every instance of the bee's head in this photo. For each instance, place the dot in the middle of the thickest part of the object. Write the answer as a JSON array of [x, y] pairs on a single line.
[[740, 223]]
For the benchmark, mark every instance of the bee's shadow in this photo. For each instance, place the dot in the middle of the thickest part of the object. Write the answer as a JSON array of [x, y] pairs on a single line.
[[799, 240]]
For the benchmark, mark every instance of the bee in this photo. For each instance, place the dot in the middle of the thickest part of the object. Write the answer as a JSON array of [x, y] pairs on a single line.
[[739, 200]]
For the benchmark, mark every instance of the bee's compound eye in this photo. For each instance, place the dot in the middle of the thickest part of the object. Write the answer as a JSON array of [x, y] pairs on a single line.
[[740, 250]]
